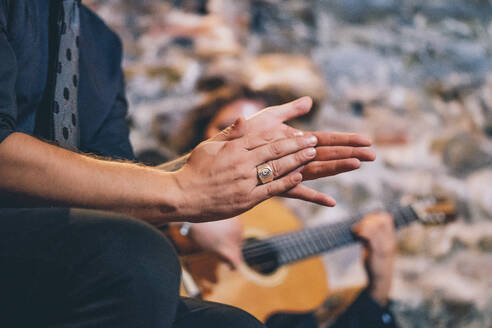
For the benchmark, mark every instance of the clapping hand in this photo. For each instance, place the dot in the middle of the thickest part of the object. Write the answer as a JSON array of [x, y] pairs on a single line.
[[335, 152]]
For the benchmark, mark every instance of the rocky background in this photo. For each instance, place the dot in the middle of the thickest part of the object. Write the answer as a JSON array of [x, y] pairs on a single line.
[[415, 75]]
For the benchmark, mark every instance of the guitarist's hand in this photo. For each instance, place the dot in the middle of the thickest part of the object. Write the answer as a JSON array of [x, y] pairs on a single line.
[[223, 238], [378, 233]]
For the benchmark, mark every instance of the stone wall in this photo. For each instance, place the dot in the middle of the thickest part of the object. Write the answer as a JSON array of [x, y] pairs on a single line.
[[415, 75]]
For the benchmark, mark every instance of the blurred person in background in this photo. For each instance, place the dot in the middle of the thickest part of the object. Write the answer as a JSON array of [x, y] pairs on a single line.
[[376, 231], [72, 253]]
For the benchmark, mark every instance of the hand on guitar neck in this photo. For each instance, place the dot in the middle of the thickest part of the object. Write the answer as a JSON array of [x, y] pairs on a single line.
[[377, 231]]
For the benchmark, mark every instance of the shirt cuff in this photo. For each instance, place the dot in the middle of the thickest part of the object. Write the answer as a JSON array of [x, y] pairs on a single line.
[[6, 128], [371, 312]]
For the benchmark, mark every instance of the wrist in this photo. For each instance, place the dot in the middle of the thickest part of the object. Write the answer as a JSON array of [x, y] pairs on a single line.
[[190, 196], [173, 203], [183, 199], [153, 197], [379, 292], [179, 235]]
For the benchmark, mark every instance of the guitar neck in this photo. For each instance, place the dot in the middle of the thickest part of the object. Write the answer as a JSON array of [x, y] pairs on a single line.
[[307, 242]]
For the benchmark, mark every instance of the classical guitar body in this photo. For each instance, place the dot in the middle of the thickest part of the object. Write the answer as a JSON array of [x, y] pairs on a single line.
[[297, 287]]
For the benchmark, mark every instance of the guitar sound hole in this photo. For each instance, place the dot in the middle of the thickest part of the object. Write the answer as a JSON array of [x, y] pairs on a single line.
[[261, 256]]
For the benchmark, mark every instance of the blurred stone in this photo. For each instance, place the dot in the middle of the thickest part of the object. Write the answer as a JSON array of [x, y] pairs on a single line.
[[480, 191], [487, 129], [284, 74], [459, 311], [485, 244], [463, 154], [404, 100], [217, 39], [286, 25], [362, 11], [411, 240], [486, 104], [357, 108], [356, 194]]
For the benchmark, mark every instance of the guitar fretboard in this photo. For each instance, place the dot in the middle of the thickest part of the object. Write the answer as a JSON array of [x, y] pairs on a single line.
[[307, 242]]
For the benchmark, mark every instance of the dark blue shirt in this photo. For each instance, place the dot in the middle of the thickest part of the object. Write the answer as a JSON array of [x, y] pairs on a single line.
[[25, 57]]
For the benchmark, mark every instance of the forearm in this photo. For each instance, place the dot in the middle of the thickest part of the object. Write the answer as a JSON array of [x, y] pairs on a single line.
[[174, 165], [379, 288], [37, 171]]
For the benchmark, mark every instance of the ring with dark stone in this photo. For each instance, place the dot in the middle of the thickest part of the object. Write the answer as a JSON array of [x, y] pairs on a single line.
[[265, 173]]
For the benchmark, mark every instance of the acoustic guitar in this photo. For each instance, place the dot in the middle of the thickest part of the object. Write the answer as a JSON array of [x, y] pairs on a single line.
[[281, 271]]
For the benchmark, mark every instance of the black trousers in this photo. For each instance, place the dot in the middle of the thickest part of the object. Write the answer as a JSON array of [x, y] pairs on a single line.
[[79, 269]]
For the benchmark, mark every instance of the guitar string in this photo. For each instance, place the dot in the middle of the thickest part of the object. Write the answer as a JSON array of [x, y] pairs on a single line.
[[292, 241]]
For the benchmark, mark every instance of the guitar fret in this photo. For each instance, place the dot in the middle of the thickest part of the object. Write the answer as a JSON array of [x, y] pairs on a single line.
[[316, 240], [412, 216], [329, 236], [399, 217], [287, 255], [310, 242], [292, 247], [319, 242], [297, 240], [303, 242], [403, 216]]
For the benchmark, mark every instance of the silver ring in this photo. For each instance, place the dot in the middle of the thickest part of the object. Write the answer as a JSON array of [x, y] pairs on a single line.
[[265, 173]]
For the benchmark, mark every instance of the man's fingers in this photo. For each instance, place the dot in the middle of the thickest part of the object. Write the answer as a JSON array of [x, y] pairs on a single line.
[[289, 131], [377, 230], [325, 139], [255, 140], [362, 230], [305, 193], [286, 111], [235, 131], [330, 153], [291, 162], [276, 187], [315, 170], [280, 148], [341, 139]]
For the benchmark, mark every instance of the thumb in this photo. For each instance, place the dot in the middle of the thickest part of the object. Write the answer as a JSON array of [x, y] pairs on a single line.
[[236, 130], [231, 256], [286, 111]]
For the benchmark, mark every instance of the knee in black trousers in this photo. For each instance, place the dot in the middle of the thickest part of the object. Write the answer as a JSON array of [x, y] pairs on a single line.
[[143, 266], [79, 269]]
